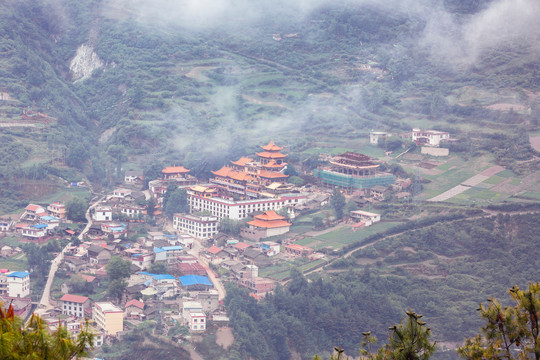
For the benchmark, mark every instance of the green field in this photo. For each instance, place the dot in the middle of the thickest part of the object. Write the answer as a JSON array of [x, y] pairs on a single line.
[[343, 236]]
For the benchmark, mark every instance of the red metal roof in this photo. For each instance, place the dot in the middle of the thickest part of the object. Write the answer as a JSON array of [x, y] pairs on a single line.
[[74, 298]]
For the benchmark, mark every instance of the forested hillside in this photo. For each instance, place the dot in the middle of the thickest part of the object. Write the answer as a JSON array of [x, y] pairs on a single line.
[[201, 86], [443, 272]]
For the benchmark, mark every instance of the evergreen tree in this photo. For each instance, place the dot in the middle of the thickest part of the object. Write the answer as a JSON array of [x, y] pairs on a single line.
[[338, 202]]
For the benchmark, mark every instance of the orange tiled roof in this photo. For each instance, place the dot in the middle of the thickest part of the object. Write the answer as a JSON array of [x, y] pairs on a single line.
[[269, 215], [74, 298], [273, 164], [242, 161], [136, 303], [175, 170], [88, 278], [213, 249], [223, 172], [271, 147], [32, 207], [269, 224], [271, 155], [242, 246], [297, 247], [271, 174]]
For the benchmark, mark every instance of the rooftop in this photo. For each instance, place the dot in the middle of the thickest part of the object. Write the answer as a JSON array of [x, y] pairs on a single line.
[[174, 170], [194, 280], [74, 298], [108, 307], [19, 274]]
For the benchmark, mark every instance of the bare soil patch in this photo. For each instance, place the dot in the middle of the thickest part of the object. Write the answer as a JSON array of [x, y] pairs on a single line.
[[506, 107], [260, 102], [535, 142], [427, 165], [224, 337], [196, 72]]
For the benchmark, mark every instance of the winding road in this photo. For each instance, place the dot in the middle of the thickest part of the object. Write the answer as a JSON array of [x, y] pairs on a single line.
[[44, 303]]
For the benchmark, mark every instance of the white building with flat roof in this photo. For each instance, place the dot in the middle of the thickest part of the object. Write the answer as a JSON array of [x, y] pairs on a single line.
[[108, 317], [199, 226], [429, 137], [241, 209], [15, 284]]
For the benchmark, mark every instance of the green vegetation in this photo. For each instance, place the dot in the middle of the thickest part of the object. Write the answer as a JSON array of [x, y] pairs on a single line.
[[33, 340]]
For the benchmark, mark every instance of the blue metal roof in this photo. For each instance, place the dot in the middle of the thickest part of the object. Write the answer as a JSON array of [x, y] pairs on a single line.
[[39, 226], [164, 277], [170, 248], [49, 218], [194, 280], [146, 273], [19, 274], [167, 248]]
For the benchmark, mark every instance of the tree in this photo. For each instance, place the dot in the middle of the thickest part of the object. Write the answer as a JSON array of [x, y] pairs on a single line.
[[118, 268], [510, 332], [176, 203], [317, 222], [33, 340], [410, 340], [116, 289], [118, 153], [296, 180], [79, 285], [338, 202], [76, 209], [150, 206], [158, 268]]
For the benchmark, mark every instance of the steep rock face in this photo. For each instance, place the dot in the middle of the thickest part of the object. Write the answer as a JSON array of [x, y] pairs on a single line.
[[84, 63]]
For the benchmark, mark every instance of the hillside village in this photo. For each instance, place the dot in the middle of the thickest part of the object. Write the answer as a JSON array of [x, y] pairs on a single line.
[[176, 267]]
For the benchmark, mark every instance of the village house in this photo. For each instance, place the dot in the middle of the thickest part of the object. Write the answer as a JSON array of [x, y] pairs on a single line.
[[133, 177], [134, 309], [6, 224], [22, 307], [108, 317], [365, 217], [15, 284], [429, 137], [57, 209], [209, 300], [74, 305], [98, 254], [193, 314], [378, 192], [133, 210], [270, 248], [168, 254], [7, 251], [199, 226], [376, 136], [135, 196], [35, 233], [142, 259], [195, 283], [102, 213], [114, 230], [182, 269], [74, 263], [33, 212], [258, 285], [120, 193], [52, 222], [265, 225], [298, 250]]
